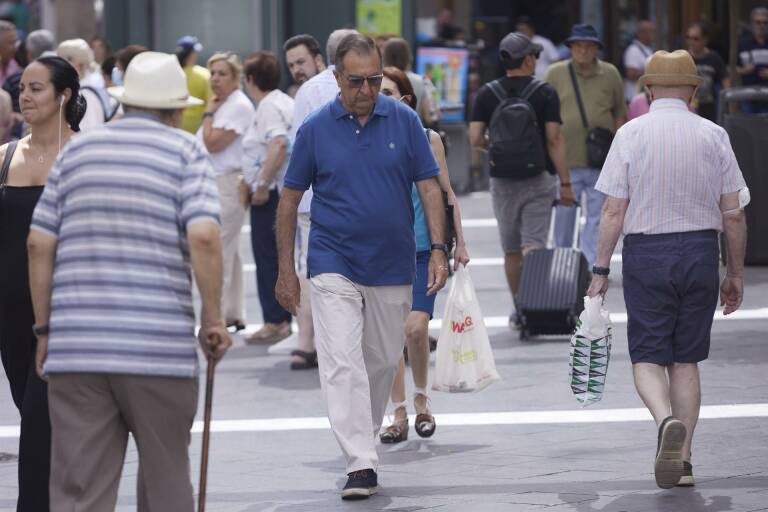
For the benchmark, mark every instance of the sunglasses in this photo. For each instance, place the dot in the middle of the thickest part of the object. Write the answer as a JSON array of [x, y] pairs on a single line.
[[356, 82], [692, 38]]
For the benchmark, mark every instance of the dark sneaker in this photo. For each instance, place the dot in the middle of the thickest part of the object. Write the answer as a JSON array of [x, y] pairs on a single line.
[[687, 479], [668, 467], [361, 485]]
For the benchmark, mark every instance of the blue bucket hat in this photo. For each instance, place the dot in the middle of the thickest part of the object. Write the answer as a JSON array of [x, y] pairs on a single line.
[[189, 43], [583, 32]]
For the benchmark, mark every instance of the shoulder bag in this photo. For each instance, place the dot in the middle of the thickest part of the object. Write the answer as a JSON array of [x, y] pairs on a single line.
[[599, 139], [9, 151]]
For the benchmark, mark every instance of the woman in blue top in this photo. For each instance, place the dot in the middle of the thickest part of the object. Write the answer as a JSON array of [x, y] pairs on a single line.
[[397, 85]]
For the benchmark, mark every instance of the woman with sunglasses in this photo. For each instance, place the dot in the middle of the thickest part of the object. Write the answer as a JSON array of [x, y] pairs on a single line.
[[396, 84], [52, 108]]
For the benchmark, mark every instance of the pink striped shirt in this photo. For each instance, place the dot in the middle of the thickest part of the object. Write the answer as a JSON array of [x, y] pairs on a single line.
[[673, 166]]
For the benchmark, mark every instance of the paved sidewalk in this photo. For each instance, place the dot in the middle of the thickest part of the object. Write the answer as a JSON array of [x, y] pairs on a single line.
[[582, 467]]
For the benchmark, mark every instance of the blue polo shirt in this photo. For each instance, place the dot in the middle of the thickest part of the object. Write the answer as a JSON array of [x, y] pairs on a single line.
[[362, 214]]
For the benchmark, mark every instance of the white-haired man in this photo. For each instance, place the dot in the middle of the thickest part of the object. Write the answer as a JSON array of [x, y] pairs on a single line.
[[672, 183], [125, 213]]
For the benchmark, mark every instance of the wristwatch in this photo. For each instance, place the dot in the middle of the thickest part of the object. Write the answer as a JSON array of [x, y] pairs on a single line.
[[439, 247], [207, 114], [40, 330], [601, 271], [263, 183]]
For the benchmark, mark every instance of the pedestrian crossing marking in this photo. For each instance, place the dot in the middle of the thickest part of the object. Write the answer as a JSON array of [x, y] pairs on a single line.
[[510, 418]]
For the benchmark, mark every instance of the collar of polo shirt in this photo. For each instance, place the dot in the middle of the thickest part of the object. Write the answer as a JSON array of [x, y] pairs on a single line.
[[382, 107]]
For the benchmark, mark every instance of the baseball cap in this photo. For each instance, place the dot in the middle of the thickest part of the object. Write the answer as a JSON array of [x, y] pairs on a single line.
[[516, 45], [189, 43]]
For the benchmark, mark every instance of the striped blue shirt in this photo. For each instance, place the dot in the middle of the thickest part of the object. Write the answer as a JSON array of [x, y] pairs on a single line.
[[118, 201]]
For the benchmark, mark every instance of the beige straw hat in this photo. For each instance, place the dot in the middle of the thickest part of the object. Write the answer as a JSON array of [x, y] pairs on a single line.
[[675, 68], [154, 80]]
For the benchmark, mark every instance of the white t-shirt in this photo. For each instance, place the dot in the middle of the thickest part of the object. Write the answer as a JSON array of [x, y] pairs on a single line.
[[313, 94], [234, 114], [94, 111], [272, 119], [548, 56], [635, 57]]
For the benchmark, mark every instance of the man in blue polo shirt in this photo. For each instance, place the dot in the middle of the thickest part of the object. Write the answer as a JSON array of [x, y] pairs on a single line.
[[361, 153]]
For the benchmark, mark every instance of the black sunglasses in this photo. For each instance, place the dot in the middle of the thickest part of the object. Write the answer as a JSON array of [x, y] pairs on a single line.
[[356, 82]]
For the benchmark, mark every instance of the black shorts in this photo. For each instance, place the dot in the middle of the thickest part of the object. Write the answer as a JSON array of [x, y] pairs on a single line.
[[671, 284]]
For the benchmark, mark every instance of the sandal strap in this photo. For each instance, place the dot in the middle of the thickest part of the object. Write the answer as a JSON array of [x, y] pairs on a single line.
[[420, 391], [398, 405]]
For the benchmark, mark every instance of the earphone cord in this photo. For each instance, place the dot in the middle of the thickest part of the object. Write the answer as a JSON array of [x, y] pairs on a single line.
[[61, 107]]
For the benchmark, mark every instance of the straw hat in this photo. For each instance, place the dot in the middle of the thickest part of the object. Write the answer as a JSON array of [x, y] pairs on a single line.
[[676, 68], [154, 80]]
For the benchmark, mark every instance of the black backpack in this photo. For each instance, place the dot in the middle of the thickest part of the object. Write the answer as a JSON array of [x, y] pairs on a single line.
[[516, 150]]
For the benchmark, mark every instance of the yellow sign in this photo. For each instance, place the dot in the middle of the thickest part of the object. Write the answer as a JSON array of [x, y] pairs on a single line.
[[377, 17]]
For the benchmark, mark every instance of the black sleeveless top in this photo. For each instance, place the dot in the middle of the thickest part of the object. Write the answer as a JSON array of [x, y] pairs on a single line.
[[16, 207]]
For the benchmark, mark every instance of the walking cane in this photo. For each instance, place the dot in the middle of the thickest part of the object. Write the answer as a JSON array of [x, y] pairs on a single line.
[[206, 434]]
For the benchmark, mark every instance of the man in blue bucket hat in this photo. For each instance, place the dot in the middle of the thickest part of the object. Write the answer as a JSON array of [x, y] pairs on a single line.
[[597, 115]]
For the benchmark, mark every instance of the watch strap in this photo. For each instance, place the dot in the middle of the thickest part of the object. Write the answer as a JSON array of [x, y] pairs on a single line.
[[439, 247], [600, 271]]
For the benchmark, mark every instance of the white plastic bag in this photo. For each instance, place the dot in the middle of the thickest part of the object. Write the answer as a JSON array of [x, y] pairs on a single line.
[[590, 352], [464, 361]]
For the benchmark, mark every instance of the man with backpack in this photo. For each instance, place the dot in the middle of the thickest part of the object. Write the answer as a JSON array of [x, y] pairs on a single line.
[[522, 116]]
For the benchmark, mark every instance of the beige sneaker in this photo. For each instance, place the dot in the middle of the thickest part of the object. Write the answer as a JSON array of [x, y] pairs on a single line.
[[269, 333]]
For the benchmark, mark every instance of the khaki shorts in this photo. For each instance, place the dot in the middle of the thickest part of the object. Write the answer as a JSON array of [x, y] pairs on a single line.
[[523, 209]]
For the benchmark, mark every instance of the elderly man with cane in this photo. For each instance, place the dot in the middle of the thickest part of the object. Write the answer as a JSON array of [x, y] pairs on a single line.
[[127, 210], [673, 184]]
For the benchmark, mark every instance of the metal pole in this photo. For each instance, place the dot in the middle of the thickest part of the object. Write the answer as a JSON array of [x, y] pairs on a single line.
[[733, 51]]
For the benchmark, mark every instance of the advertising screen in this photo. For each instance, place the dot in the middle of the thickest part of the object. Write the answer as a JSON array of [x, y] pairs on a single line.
[[447, 68]]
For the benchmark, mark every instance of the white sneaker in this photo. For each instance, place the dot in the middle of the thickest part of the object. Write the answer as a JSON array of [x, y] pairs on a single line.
[[284, 347]]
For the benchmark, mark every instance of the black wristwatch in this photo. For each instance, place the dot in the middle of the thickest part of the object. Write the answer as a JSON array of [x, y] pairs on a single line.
[[40, 330], [601, 271], [439, 247]]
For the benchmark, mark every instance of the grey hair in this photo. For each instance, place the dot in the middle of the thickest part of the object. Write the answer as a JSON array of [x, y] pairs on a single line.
[[6, 26], [333, 42], [758, 11], [357, 43], [39, 42]]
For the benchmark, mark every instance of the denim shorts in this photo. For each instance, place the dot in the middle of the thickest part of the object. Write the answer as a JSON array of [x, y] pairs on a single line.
[[422, 301], [671, 286]]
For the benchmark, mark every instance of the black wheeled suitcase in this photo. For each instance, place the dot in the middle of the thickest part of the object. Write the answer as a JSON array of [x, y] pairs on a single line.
[[552, 287]]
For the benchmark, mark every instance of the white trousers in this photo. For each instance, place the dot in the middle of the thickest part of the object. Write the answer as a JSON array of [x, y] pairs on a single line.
[[304, 311], [232, 218], [360, 335]]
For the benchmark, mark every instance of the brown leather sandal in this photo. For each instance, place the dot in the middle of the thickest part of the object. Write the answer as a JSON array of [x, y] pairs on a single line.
[[397, 432], [425, 423]]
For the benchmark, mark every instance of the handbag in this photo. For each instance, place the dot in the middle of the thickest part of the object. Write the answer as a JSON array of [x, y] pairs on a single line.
[[599, 139]]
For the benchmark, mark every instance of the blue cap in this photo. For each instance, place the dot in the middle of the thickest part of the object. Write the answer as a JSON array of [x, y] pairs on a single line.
[[583, 32], [190, 43]]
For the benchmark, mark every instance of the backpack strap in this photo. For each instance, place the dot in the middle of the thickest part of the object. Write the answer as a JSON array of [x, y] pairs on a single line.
[[108, 113], [498, 90], [530, 89], [9, 151]]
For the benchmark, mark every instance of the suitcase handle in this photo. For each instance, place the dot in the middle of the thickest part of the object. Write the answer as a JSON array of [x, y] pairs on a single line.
[[576, 225]]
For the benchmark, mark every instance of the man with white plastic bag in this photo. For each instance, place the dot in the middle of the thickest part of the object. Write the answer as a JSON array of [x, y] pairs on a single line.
[[464, 361], [673, 183], [590, 352]]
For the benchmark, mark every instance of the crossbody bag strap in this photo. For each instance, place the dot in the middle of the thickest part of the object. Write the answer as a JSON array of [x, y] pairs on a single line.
[[578, 95], [7, 163]]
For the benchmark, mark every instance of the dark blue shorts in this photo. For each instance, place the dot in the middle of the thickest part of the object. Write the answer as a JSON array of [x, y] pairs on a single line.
[[671, 287], [421, 301]]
